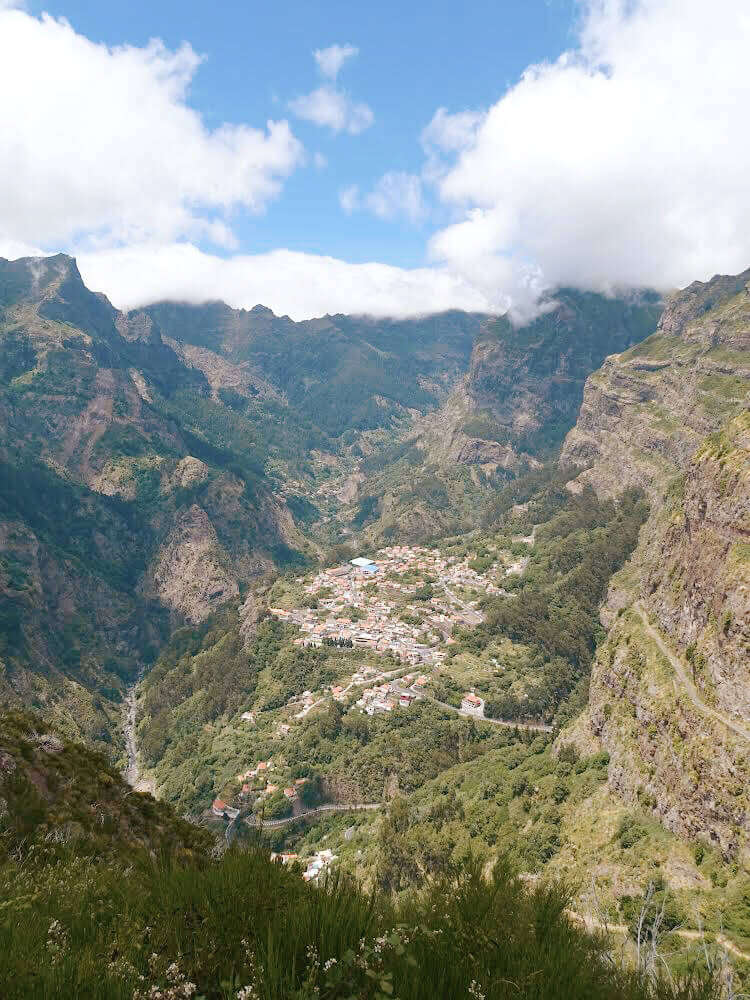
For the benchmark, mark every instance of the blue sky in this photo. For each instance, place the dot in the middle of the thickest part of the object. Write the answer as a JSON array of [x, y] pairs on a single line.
[[413, 58], [394, 159]]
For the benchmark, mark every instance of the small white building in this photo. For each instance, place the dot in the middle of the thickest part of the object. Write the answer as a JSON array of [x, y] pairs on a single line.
[[473, 704]]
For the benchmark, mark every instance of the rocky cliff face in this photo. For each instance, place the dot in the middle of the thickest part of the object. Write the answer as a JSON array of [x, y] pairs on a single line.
[[525, 384], [510, 410], [647, 410], [131, 496], [696, 578], [668, 697], [669, 688], [191, 572]]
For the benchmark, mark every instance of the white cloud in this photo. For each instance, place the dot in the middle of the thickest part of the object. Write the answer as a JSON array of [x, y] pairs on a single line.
[[625, 162], [349, 199], [319, 161], [301, 285], [100, 144], [622, 163], [331, 59], [450, 133], [333, 108], [397, 195]]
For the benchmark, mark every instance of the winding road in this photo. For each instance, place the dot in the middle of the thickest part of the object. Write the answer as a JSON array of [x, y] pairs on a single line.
[[686, 682], [466, 608], [254, 822], [333, 807], [534, 727]]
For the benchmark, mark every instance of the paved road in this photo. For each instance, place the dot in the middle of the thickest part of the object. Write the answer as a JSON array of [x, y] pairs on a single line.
[[334, 807], [467, 608], [685, 680], [535, 727]]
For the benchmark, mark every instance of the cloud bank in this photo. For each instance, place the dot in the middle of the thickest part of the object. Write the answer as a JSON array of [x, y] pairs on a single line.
[[100, 146], [298, 284]]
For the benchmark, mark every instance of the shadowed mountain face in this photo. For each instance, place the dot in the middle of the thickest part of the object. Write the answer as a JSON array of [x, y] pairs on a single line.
[[339, 374]]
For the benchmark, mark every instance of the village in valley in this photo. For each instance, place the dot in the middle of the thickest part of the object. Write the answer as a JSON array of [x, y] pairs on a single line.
[[406, 602], [396, 613]]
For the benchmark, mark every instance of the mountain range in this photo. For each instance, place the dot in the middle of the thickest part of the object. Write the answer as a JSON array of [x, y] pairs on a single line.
[[166, 473]]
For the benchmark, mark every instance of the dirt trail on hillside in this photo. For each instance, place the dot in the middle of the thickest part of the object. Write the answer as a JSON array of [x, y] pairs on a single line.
[[592, 924], [690, 688]]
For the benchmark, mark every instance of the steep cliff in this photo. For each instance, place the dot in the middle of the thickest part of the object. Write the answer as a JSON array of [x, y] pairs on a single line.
[[526, 383], [669, 688], [507, 413], [696, 577], [647, 410]]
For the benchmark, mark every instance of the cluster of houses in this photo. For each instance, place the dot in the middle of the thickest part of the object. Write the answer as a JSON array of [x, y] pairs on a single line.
[[399, 559], [317, 864], [251, 784], [386, 697], [377, 624]]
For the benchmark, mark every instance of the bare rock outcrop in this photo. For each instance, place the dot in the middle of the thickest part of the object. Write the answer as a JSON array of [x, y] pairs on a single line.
[[191, 573], [188, 472]]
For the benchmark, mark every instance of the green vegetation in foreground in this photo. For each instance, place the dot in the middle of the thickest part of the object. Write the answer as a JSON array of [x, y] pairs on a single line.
[[59, 798], [140, 906], [245, 927]]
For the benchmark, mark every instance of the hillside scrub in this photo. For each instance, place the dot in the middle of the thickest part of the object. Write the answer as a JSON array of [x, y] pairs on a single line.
[[247, 928], [553, 609]]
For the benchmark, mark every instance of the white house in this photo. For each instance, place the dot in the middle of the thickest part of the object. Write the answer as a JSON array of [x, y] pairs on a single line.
[[471, 703]]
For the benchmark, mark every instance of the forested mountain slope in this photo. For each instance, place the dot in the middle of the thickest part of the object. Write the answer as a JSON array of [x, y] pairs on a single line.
[[340, 375], [113, 494]]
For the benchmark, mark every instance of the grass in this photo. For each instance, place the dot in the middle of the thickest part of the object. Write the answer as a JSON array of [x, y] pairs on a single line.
[[657, 347], [86, 930]]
